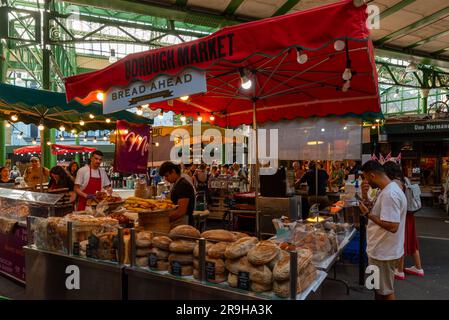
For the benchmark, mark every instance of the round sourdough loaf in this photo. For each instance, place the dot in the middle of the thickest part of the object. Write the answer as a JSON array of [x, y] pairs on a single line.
[[217, 250], [261, 275], [232, 280], [196, 263], [219, 264], [162, 265], [160, 254], [240, 247], [281, 270], [263, 253], [141, 252], [219, 235], [143, 239], [182, 246], [184, 231], [142, 262], [162, 242], [196, 250], [183, 259], [239, 235], [260, 287], [185, 270], [219, 278]]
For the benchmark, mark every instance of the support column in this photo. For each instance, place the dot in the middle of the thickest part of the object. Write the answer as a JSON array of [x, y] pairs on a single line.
[[49, 158], [3, 69], [77, 155], [424, 95]]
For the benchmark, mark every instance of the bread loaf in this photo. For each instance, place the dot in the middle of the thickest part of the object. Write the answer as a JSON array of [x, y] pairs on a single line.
[[217, 250], [273, 262], [142, 262], [185, 270], [141, 252], [219, 235], [240, 247], [239, 235], [162, 265], [263, 253], [219, 277], [143, 239], [160, 254], [183, 259], [219, 264], [261, 275], [236, 265], [260, 287], [196, 263], [184, 231], [162, 242], [281, 271], [196, 273], [233, 280], [282, 288], [196, 250], [182, 246]]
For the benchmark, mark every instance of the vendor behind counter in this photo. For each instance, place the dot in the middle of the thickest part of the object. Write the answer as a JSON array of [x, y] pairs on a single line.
[[316, 193]]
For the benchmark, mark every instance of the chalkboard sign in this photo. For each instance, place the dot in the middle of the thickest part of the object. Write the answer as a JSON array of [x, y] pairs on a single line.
[[76, 248], [88, 251], [176, 268], [115, 242], [94, 242], [243, 281], [152, 260], [210, 270]]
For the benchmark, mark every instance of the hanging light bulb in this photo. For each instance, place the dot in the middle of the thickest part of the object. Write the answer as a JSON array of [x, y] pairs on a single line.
[[373, 127], [48, 143], [139, 111], [61, 127], [184, 98], [145, 106], [34, 141], [85, 139], [396, 93], [200, 118], [7, 124], [108, 120], [301, 56], [105, 138], [20, 135], [246, 82], [82, 123], [183, 117], [61, 137], [76, 135], [212, 117], [125, 131], [157, 144], [73, 131], [346, 86], [339, 45], [161, 115], [95, 140], [377, 120], [91, 116], [100, 96], [347, 74], [323, 130], [345, 128], [14, 117]]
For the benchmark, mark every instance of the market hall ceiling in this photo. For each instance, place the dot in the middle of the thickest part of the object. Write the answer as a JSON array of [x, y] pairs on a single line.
[[407, 27]]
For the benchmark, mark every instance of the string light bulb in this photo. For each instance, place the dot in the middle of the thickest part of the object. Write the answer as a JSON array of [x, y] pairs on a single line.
[[14, 117], [20, 135], [139, 111], [85, 139], [48, 143], [41, 126], [157, 144], [8, 125], [61, 128], [339, 45], [82, 123], [34, 141], [105, 138], [199, 118], [108, 120], [184, 98], [373, 127], [301, 56], [61, 137], [161, 115], [246, 82], [183, 117], [212, 117], [91, 116], [100, 96], [95, 140], [346, 86], [347, 74]]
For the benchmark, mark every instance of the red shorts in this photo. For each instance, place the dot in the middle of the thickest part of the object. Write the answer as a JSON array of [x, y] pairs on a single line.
[[411, 240]]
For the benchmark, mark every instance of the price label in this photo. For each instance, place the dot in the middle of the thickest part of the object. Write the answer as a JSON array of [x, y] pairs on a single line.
[[176, 268], [243, 281], [88, 251], [115, 242], [76, 248], [210, 270], [152, 260], [94, 242]]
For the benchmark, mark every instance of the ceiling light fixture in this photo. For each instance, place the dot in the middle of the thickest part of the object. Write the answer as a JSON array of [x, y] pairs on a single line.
[[246, 81]]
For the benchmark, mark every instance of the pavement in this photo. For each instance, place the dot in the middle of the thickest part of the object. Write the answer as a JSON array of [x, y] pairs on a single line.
[[433, 233]]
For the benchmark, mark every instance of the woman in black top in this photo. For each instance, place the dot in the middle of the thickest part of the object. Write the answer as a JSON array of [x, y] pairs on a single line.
[[59, 179], [73, 170], [4, 176]]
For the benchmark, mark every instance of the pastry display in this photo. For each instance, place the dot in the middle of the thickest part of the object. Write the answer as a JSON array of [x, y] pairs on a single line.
[[219, 235], [147, 205], [144, 239], [102, 196]]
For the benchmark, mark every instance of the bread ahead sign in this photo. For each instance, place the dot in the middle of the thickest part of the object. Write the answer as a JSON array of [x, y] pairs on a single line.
[[163, 87]]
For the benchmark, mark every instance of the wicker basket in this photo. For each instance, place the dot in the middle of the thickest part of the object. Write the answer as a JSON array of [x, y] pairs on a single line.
[[155, 221]]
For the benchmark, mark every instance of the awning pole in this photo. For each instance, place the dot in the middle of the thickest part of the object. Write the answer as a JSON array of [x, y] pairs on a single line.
[[256, 173], [41, 174]]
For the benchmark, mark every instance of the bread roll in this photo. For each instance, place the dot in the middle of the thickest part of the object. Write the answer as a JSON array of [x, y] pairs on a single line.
[[182, 246], [184, 231], [263, 253], [196, 250], [236, 265], [281, 271], [233, 280], [273, 262], [219, 278], [260, 287], [219, 264], [162, 265], [239, 235], [219, 235], [261, 275], [240, 248], [162, 242], [143, 239], [282, 288], [141, 252], [185, 270], [217, 250], [183, 259], [196, 263], [160, 254], [142, 262], [196, 273]]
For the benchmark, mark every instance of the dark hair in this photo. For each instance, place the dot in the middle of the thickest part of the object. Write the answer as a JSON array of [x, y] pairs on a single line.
[[98, 153], [167, 167], [393, 171], [373, 166], [64, 179], [1, 168], [70, 167]]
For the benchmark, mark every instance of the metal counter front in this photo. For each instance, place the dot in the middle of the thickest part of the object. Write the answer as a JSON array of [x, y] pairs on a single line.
[[48, 273]]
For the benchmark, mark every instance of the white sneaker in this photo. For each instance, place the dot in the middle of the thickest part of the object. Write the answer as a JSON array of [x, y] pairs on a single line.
[[414, 271], [399, 275]]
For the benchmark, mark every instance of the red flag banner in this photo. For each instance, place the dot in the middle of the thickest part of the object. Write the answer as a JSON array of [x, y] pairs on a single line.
[[132, 147]]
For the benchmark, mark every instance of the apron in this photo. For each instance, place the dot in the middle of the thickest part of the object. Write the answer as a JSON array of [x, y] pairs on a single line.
[[92, 187]]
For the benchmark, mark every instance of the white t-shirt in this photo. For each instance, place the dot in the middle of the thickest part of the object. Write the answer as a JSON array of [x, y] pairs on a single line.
[[83, 175], [390, 206]]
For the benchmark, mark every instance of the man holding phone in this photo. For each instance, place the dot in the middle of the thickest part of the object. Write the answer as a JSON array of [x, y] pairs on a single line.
[[386, 227]]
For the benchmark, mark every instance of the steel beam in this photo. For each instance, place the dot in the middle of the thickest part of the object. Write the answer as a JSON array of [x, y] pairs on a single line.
[[429, 39], [232, 7], [286, 7], [422, 22], [393, 9]]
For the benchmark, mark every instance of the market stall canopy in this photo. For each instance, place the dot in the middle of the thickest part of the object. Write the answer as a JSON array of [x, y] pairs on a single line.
[[55, 149], [32, 105], [317, 62]]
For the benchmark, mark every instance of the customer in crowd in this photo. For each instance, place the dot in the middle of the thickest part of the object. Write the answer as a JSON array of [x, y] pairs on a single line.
[[411, 247], [73, 170], [35, 174], [386, 227], [354, 168], [5, 176], [224, 169], [337, 176], [214, 172], [317, 193], [59, 179], [91, 179], [182, 194], [299, 171], [240, 173], [187, 174], [201, 178], [15, 173]]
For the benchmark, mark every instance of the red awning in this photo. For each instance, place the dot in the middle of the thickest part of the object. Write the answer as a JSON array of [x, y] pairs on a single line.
[[286, 87], [56, 149]]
